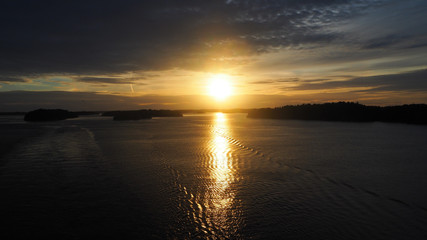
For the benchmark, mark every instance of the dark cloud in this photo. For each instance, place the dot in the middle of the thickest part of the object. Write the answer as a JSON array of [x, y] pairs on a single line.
[[385, 41], [276, 80], [395, 41], [101, 37], [416, 45], [262, 82], [11, 79], [413, 81], [316, 80], [294, 79], [105, 80]]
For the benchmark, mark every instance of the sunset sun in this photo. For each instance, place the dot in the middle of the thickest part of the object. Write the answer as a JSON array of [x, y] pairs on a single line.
[[219, 86], [267, 119]]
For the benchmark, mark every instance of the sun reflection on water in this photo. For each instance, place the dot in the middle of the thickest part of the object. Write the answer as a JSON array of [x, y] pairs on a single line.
[[220, 163], [222, 211]]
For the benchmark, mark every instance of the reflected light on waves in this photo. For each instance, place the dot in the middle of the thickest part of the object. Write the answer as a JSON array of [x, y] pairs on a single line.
[[222, 210], [221, 163]]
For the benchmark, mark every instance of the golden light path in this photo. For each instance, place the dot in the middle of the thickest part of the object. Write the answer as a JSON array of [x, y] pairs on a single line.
[[220, 86], [223, 211], [221, 164]]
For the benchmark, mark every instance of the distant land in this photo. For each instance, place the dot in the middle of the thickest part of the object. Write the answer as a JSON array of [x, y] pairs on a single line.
[[346, 112], [41, 115], [334, 111], [12, 113]]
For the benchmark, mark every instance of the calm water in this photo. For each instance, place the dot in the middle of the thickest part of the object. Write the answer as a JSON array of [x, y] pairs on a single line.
[[213, 176]]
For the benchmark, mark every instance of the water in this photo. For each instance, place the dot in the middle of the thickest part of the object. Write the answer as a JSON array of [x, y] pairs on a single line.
[[212, 176]]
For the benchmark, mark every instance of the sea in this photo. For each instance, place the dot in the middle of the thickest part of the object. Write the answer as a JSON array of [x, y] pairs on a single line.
[[212, 176]]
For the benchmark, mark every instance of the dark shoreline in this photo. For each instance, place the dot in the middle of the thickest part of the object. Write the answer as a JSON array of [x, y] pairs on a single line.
[[334, 111], [346, 112]]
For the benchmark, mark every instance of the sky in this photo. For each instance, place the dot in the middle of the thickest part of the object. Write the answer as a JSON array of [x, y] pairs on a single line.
[[105, 55]]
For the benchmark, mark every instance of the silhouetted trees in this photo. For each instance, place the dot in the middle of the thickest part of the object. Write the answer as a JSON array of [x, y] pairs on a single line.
[[346, 111], [40, 115]]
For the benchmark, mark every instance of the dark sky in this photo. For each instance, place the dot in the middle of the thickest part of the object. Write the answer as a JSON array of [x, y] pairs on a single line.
[[279, 52]]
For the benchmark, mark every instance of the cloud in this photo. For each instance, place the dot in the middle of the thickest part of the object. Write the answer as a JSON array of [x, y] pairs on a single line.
[[110, 80], [7, 79], [262, 82], [277, 80], [408, 81], [106, 37], [385, 41]]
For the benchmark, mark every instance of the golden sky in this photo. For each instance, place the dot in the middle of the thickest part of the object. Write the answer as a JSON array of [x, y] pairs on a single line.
[[165, 55]]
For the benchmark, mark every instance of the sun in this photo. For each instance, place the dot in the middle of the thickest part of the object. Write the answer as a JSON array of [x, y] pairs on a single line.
[[219, 86]]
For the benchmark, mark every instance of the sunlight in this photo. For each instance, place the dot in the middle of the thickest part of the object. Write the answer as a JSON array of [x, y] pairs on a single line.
[[221, 207], [219, 86]]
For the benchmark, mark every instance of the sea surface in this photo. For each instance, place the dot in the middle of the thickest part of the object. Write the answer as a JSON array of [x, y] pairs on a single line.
[[212, 176]]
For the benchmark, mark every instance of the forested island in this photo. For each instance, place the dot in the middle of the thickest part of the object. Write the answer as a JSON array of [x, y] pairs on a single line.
[[41, 115], [141, 114], [347, 112], [337, 111]]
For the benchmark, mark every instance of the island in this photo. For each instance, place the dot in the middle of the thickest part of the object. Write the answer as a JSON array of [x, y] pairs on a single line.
[[141, 114], [347, 112], [41, 115]]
